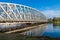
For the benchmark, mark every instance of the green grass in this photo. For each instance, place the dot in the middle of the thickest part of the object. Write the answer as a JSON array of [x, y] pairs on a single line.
[[56, 23], [18, 36]]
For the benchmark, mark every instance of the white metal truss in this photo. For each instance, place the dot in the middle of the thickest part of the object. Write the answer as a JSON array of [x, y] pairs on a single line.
[[12, 11], [21, 13], [30, 15], [18, 12], [2, 17], [5, 11]]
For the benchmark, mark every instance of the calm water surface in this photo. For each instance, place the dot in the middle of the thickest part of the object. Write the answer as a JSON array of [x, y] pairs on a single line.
[[45, 30]]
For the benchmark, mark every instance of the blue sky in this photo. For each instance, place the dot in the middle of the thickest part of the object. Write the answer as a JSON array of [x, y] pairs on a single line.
[[50, 8]]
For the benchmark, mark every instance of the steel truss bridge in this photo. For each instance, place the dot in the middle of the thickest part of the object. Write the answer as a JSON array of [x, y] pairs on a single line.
[[10, 12], [12, 16]]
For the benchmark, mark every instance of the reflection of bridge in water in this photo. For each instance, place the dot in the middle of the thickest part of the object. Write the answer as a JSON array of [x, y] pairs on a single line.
[[12, 15], [36, 31]]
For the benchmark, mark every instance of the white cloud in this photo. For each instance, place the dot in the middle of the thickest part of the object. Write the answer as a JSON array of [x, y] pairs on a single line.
[[51, 13]]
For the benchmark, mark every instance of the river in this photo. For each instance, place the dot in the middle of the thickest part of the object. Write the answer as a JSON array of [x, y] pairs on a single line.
[[45, 30]]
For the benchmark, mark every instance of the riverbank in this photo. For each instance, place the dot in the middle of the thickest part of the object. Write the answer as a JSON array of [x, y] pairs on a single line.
[[56, 23], [23, 37]]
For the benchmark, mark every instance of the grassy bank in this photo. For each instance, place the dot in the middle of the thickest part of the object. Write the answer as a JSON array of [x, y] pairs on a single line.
[[18, 36], [55, 21]]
